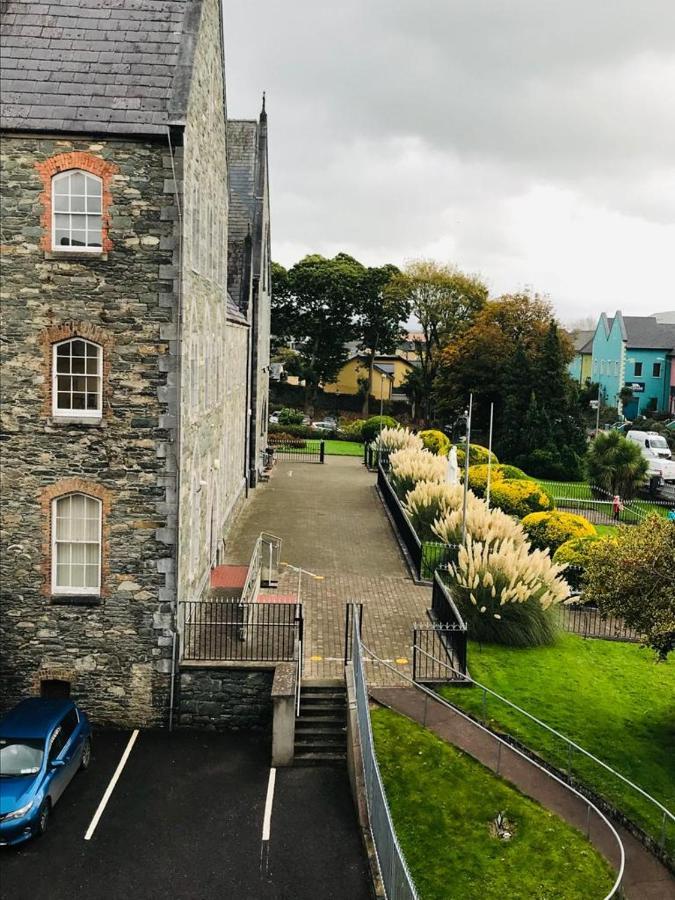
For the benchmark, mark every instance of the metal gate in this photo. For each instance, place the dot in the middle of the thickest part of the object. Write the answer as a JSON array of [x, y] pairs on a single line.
[[298, 449]]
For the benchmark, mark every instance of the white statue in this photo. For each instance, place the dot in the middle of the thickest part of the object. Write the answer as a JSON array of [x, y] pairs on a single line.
[[452, 476]]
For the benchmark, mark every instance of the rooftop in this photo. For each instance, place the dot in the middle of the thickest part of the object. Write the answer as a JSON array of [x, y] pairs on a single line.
[[119, 66]]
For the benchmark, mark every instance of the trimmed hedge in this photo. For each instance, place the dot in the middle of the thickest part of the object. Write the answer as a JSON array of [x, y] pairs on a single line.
[[548, 530], [574, 553], [371, 427], [500, 472], [520, 497], [435, 441], [478, 455]]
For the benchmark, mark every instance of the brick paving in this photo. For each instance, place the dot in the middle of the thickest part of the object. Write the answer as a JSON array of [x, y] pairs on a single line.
[[332, 523]]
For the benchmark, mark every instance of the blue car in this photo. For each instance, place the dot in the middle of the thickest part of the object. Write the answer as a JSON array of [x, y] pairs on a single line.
[[43, 743]]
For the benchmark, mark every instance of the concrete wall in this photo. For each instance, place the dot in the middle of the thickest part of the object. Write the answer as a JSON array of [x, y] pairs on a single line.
[[115, 651]]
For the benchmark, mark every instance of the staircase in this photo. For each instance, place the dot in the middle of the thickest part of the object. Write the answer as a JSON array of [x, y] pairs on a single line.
[[321, 727]]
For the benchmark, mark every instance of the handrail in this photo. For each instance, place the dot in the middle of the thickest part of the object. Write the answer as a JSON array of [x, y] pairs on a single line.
[[420, 687], [557, 733]]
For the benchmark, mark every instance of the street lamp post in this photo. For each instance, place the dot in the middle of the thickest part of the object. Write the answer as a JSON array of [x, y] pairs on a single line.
[[383, 375], [466, 467]]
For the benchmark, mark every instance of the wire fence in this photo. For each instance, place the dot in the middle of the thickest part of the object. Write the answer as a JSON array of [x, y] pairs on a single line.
[[627, 801], [396, 878]]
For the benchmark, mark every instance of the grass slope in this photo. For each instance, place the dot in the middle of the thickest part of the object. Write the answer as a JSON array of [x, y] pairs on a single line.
[[442, 802], [612, 699], [344, 448]]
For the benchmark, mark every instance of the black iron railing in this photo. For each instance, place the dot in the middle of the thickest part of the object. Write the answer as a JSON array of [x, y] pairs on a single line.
[[373, 457], [589, 622], [405, 530], [252, 632], [439, 653]]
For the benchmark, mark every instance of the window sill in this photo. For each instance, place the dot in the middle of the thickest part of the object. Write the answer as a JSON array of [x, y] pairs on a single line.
[[75, 254], [74, 600], [93, 421]]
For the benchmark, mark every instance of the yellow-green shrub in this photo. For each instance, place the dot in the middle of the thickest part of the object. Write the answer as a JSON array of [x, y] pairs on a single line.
[[435, 442], [478, 455], [573, 554], [548, 530], [478, 476], [520, 498]]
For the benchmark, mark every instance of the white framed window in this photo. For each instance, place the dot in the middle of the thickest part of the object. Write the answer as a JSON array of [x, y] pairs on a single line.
[[77, 222], [77, 376], [76, 544]]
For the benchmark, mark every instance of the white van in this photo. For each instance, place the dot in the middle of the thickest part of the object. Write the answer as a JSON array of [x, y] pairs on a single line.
[[656, 451]]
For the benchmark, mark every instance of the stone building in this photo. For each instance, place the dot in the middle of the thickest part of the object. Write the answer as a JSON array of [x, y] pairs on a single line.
[[127, 372]]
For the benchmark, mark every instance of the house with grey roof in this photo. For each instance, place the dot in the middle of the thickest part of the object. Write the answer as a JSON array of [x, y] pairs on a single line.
[[127, 379], [632, 361]]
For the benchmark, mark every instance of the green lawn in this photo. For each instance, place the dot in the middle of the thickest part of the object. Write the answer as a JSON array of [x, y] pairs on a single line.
[[442, 803], [343, 448], [581, 494], [606, 530], [613, 699]]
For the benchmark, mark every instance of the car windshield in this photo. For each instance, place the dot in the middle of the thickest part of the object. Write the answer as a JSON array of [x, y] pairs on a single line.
[[20, 756], [658, 443]]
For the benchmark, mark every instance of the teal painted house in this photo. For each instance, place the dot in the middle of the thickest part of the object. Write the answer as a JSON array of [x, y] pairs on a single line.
[[635, 352]]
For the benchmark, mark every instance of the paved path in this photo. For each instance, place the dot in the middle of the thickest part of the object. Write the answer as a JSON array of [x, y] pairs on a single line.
[[333, 524], [644, 877]]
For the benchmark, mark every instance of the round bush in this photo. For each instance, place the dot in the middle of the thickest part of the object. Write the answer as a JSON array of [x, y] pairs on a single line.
[[478, 476], [353, 431], [371, 427], [548, 530], [574, 554], [435, 441], [478, 455], [288, 416], [520, 497]]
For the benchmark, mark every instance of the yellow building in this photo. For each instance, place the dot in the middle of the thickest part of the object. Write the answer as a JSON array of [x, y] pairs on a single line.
[[389, 374]]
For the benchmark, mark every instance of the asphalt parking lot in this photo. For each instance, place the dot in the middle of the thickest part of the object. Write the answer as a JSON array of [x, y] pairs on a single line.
[[185, 819]]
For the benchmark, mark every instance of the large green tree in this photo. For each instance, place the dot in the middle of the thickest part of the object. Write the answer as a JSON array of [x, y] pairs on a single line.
[[445, 302], [379, 317], [632, 576], [315, 302]]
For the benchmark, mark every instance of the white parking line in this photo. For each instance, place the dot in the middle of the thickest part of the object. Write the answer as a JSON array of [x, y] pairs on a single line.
[[267, 821], [267, 818], [108, 791]]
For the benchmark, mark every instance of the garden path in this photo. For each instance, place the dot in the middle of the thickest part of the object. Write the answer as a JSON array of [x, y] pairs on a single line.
[[333, 524]]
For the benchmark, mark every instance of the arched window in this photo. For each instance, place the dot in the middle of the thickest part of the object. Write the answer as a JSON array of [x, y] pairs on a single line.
[[76, 544], [77, 370], [76, 211]]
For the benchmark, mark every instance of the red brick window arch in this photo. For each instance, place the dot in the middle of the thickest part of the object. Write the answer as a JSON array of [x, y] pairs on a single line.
[[76, 199], [75, 538]]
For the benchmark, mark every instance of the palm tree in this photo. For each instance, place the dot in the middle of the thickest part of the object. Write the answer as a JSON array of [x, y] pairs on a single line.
[[616, 464]]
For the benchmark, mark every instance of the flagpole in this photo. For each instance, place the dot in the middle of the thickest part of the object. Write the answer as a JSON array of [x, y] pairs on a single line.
[[487, 492], [466, 467]]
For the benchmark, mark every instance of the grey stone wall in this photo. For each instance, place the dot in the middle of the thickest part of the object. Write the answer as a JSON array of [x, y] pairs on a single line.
[[116, 653], [225, 699]]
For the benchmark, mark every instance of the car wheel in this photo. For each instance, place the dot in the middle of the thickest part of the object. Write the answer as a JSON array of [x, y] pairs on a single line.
[[43, 818], [86, 754]]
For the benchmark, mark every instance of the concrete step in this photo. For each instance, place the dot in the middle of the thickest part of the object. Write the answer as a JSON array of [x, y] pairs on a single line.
[[311, 727], [320, 759], [322, 696], [332, 710]]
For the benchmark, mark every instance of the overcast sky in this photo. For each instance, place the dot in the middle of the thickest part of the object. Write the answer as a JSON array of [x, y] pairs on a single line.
[[529, 141]]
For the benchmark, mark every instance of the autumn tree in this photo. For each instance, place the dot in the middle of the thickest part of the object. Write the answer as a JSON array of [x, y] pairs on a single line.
[[445, 302]]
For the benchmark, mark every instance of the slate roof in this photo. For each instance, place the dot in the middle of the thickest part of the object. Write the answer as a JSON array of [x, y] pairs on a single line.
[[234, 314], [583, 341], [110, 66], [646, 333], [242, 147]]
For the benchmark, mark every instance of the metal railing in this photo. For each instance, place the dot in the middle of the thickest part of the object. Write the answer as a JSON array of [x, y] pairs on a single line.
[[588, 622], [373, 457], [597, 503], [501, 743], [403, 525], [270, 558], [663, 835], [226, 630], [298, 449], [396, 878]]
